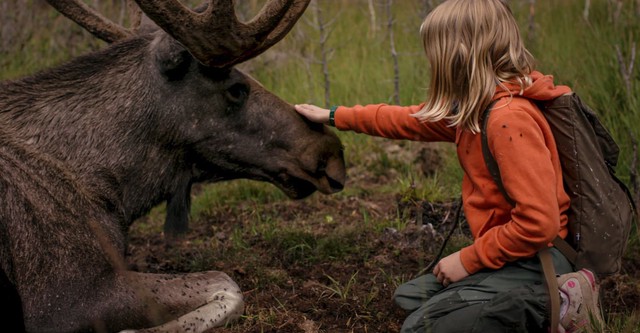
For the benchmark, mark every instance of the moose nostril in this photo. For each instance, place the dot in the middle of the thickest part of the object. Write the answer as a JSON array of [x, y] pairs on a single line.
[[321, 169], [336, 185]]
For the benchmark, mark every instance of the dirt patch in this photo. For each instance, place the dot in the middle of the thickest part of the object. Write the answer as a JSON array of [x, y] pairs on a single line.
[[322, 265], [287, 290]]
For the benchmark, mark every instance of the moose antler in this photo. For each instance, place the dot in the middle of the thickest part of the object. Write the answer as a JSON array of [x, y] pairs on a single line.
[[214, 36], [93, 21]]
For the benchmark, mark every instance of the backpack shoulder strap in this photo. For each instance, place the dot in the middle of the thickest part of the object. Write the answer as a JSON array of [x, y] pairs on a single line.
[[489, 160], [552, 288], [566, 249]]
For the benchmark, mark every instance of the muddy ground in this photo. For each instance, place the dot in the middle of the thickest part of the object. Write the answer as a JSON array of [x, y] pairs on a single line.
[[323, 268]]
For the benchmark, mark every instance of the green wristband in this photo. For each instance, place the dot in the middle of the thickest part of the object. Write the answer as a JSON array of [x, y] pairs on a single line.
[[332, 115]]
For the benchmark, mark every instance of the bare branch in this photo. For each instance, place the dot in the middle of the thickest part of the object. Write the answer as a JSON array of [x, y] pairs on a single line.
[[532, 23], [587, 8], [615, 9], [323, 52], [373, 27], [626, 70], [633, 177], [394, 54], [427, 7]]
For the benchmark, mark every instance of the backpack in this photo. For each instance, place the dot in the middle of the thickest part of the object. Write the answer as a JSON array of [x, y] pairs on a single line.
[[602, 210]]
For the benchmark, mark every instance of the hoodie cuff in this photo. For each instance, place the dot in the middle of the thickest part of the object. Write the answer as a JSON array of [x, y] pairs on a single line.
[[470, 260]]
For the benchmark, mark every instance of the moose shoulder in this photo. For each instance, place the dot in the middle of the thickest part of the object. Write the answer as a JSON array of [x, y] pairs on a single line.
[[113, 133]]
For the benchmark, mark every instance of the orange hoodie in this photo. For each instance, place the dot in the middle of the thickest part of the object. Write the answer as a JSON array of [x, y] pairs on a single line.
[[521, 141]]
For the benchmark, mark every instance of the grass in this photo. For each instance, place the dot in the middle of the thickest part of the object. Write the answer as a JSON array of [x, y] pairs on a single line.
[[341, 289]]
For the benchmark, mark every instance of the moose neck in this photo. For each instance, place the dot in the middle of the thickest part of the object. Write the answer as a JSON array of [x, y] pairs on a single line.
[[90, 114]]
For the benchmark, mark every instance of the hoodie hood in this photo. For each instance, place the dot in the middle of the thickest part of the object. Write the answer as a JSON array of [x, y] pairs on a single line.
[[542, 89]]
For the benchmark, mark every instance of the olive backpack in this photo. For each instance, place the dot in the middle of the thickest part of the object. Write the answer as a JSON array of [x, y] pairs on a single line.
[[602, 210]]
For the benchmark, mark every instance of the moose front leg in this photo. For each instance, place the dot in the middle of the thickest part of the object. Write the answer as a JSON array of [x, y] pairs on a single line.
[[196, 301], [135, 302], [178, 207]]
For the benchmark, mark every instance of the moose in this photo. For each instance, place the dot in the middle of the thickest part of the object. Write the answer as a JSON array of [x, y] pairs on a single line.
[[91, 145]]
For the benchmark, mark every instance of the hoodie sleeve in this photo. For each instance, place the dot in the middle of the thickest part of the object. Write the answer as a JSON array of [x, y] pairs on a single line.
[[392, 122]]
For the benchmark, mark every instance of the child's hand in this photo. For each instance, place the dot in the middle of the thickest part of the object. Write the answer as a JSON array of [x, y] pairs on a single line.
[[450, 269], [313, 113]]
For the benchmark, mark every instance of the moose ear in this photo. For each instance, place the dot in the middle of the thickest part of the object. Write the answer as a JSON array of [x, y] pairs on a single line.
[[146, 26], [172, 59]]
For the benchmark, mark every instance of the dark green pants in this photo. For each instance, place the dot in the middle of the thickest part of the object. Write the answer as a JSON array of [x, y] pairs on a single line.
[[511, 299]]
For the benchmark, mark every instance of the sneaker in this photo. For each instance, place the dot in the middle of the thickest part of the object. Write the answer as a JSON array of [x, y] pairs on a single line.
[[579, 310]]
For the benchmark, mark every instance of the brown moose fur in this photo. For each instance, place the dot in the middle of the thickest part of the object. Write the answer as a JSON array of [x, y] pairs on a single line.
[[62, 247], [91, 145]]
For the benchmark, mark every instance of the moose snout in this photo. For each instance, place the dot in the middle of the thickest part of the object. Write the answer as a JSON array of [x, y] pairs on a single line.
[[320, 165], [332, 175]]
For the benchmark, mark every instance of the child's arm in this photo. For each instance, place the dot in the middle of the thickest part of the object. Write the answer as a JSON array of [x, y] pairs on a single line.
[[388, 121]]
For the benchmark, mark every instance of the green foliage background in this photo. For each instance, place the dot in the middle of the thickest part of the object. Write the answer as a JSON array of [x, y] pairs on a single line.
[[359, 66], [349, 61]]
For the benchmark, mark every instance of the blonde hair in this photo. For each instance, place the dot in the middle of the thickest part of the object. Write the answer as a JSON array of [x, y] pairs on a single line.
[[472, 46]]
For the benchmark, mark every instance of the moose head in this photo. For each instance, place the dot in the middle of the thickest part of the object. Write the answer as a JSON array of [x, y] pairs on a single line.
[[163, 107]]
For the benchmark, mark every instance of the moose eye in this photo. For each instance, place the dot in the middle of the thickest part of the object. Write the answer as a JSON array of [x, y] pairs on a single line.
[[237, 93]]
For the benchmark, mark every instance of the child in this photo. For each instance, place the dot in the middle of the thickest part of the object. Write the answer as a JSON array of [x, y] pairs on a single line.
[[478, 60]]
